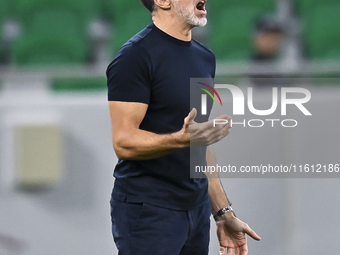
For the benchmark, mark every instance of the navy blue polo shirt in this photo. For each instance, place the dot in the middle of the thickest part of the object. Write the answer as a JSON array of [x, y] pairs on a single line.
[[155, 68]]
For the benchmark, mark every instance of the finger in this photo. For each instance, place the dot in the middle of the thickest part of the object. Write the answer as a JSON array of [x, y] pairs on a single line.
[[222, 250], [237, 251], [230, 251], [228, 120], [193, 114], [227, 127], [251, 233], [187, 120], [225, 117], [225, 130], [244, 250]]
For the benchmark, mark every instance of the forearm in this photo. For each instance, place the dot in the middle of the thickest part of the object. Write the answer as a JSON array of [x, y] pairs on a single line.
[[130, 142], [137, 144], [217, 195], [231, 232]]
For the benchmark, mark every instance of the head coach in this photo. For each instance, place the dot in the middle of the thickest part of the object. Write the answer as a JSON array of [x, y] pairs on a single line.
[[156, 208]]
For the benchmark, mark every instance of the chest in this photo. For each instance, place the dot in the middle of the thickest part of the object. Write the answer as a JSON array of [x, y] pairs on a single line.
[[171, 76]]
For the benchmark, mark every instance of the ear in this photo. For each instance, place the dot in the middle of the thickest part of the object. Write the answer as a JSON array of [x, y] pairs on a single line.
[[163, 4]]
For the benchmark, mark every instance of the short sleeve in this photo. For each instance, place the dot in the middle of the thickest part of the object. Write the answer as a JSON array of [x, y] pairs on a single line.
[[129, 75]]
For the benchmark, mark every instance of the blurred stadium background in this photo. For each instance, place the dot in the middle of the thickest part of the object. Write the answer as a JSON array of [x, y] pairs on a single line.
[[56, 157]]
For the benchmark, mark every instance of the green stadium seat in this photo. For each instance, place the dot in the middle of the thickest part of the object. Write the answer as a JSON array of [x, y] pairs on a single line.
[[114, 10], [321, 32], [106, 10], [218, 6], [84, 10], [11, 7], [54, 38], [3, 9], [56, 21], [127, 26], [3, 14], [304, 7], [79, 84], [231, 32]]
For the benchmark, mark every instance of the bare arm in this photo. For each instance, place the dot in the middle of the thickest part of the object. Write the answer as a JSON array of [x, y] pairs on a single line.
[[231, 231], [130, 142], [217, 195]]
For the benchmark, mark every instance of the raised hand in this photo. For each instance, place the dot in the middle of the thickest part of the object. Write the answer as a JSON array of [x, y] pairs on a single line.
[[204, 134]]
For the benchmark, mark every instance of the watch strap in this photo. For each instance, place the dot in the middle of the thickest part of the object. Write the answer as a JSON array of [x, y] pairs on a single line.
[[222, 212]]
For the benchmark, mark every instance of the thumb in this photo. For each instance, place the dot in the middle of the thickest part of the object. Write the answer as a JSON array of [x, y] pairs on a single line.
[[192, 115], [222, 250], [190, 118], [252, 233]]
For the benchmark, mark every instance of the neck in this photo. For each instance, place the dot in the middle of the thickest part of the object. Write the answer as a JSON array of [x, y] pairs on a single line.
[[171, 24]]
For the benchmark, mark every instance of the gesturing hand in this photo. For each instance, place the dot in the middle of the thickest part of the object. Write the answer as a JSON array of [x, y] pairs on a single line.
[[204, 134], [231, 233]]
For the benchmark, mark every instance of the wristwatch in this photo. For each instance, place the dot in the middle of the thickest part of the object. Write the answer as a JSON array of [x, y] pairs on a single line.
[[222, 211]]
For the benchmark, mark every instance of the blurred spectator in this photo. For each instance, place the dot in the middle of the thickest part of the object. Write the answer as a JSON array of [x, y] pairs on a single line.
[[267, 39], [268, 36]]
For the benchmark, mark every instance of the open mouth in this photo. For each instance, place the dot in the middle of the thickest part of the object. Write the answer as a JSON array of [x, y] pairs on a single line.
[[201, 6]]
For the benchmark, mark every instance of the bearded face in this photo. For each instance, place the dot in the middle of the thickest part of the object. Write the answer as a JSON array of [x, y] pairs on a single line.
[[193, 12]]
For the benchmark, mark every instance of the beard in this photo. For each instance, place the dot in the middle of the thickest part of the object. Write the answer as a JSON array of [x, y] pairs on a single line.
[[188, 14]]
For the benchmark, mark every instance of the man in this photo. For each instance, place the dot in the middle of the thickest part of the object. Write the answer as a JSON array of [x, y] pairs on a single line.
[[268, 38], [156, 208]]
